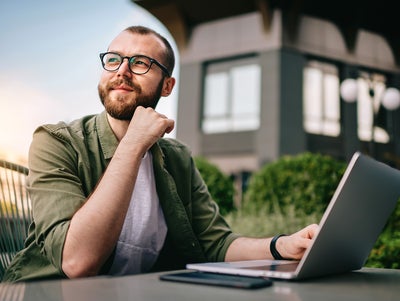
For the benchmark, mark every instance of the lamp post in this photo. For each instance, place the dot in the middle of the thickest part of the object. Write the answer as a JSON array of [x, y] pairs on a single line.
[[390, 100]]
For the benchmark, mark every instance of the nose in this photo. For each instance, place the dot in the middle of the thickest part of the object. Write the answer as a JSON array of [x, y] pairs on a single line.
[[124, 68]]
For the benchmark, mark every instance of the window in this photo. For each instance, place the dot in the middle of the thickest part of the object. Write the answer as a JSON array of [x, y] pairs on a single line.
[[321, 101], [232, 95]]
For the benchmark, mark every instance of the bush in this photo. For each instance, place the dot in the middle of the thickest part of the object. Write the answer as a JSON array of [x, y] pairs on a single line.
[[287, 194], [306, 181], [386, 252], [219, 185]]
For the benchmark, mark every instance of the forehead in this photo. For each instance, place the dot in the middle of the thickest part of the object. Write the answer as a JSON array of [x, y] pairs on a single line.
[[127, 43]]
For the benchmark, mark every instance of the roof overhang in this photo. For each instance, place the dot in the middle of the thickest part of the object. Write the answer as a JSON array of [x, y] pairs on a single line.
[[380, 17]]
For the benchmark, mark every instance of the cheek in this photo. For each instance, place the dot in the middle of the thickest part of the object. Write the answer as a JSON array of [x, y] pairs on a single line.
[[104, 79], [152, 84]]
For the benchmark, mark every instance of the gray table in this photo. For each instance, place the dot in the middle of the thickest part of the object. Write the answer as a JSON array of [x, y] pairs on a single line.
[[367, 284]]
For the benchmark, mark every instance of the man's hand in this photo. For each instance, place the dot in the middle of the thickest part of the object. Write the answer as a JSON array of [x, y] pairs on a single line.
[[147, 126], [294, 246]]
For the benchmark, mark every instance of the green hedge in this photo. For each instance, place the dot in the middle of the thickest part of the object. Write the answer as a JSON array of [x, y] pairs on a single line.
[[386, 252], [219, 185], [306, 181]]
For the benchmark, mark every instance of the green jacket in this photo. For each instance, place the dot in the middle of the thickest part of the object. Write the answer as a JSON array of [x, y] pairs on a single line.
[[65, 163]]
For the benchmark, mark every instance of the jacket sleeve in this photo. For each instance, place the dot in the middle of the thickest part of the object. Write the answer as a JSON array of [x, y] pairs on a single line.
[[55, 191], [209, 228], [212, 230]]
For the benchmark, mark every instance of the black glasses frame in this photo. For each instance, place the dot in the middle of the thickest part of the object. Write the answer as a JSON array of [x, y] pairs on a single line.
[[129, 58]]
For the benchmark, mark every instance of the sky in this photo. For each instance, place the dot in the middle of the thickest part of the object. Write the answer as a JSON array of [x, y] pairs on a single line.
[[49, 63]]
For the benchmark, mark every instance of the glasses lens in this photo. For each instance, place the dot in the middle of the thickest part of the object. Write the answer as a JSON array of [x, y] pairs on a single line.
[[111, 61], [139, 64]]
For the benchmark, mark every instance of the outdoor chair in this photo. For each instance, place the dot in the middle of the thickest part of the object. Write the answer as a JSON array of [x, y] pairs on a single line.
[[15, 211]]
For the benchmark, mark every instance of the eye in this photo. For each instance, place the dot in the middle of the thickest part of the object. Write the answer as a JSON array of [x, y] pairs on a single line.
[[140, 62], [112, 59]]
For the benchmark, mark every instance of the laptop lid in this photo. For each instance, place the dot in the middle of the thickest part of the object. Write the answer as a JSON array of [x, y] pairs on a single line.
[[360, 207]]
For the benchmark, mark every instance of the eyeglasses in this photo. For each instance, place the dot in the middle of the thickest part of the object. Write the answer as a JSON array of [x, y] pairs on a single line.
[[138, 64]]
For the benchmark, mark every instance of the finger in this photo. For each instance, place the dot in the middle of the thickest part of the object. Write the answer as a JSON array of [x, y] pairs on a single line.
[[312, 230], [170, 127]]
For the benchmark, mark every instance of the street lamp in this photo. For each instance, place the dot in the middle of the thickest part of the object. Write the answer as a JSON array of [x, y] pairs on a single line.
[[390, 100], [349, 90]]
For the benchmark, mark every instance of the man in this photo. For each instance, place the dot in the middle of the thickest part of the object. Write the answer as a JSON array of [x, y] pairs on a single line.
[[110, 196]]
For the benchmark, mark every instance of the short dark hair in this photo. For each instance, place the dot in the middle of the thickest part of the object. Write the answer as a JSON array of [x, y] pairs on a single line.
[[169, 55]]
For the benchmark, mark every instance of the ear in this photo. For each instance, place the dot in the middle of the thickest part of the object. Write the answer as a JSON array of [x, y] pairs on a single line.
[[168, 85]]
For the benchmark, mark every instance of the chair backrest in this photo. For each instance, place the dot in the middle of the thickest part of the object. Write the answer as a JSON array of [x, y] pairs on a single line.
[[15, 211]]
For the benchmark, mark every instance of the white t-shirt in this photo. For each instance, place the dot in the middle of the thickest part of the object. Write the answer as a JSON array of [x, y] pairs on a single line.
[[144, 230]]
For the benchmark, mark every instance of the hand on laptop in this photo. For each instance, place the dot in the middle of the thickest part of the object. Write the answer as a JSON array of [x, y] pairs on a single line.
[[289, 247], [294, 246]]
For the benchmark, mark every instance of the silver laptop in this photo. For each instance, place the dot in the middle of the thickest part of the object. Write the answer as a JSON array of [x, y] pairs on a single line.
[[360, 207]]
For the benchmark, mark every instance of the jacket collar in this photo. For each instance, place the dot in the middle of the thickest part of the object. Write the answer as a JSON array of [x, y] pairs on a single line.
[[107, 138]]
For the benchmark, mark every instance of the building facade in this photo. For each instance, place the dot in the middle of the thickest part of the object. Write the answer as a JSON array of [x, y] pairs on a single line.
[[253, 88]]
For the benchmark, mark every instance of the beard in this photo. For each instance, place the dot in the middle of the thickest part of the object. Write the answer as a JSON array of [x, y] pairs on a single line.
[[122, 107]]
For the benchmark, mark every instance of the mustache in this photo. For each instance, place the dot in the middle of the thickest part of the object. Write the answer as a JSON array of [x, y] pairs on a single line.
[[123, 81]]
